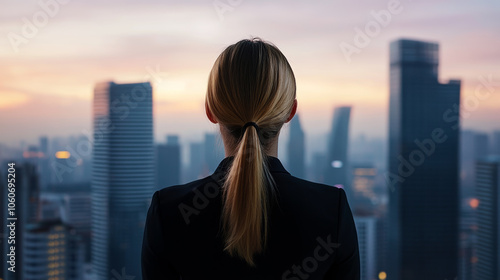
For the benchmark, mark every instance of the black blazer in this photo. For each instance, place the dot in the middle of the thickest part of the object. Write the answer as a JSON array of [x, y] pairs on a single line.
[[311, 233]]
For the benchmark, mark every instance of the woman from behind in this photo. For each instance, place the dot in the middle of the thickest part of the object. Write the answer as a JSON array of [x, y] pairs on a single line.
[[250, 219]]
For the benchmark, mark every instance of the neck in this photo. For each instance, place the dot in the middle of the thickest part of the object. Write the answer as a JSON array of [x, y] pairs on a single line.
[[230, 147]]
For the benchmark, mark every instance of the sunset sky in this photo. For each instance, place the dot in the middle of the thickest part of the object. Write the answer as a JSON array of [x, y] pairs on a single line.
[[47, 77]]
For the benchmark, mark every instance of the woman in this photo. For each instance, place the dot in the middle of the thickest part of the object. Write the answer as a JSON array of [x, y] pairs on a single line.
[[250, 219]]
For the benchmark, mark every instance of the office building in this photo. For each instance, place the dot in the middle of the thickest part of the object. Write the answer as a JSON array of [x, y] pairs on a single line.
[[123, 175], [423, 165], [168, 159], [336, 169], [488, 218], [366, 227], [296, 149]]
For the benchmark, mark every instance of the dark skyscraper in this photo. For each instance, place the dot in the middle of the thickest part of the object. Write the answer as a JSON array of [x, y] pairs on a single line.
[[196, 160], [481, 145], [27, 187], [337, 164], [423, 165], [495, 147], [122, 176], [296, 149], [488, 218], [168, 163]]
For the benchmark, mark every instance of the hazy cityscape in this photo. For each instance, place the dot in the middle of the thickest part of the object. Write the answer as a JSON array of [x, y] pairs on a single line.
[[425, 192], [64, 185]]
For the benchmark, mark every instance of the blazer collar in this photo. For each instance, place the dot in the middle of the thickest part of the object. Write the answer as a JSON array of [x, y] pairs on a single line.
[[273, 163]]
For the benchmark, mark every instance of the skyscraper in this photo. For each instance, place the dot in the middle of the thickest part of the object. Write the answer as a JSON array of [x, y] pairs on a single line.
[[168, 162], [196, 161], [423, 165], [495, 149], [296, 149], [26, 211], [488, 218], [364, 197], [214, 152], [481, 145], [51, 252], [337, 163], [122, 176], [366, 227]]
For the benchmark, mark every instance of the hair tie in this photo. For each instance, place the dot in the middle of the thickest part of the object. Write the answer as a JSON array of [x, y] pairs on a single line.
[[250, 124]]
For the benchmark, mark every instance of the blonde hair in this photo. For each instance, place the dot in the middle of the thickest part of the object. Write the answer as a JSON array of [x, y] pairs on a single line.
[[251, 81]]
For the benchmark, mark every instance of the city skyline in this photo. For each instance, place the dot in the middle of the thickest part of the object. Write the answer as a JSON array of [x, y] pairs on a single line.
[[178, 46]]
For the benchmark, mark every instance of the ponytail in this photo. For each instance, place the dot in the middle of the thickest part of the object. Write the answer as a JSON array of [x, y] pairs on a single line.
[[246, 199]]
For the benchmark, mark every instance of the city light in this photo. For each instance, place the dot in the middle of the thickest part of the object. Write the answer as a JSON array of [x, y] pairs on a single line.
[[63, 154]]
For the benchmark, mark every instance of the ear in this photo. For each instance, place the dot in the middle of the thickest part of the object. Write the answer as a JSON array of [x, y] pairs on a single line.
[[209, 114], [294, 110]]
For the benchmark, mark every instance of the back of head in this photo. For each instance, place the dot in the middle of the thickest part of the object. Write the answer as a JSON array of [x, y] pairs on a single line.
[[251, 81]]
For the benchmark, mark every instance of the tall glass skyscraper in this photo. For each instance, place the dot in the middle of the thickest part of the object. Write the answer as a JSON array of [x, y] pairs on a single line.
[[122, 176], [488, 218], [296, 149], [168, 163], [337, 163], [423, 165]]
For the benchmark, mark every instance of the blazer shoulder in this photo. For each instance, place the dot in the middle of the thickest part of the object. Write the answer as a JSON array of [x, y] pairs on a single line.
[[314, 187]]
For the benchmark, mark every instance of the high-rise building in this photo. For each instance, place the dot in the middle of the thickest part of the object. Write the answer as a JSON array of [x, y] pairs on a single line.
[[364, 198], [52, 251], [75, 213], [488, 218], [296, 149], [317, 167], [26, 211], [196, 161], [495, 147], [122, 176], [44, 162], [168, 159], [467, 163], [336, 170], [481, 145], [214, 152], [423, 165], [366, 227]]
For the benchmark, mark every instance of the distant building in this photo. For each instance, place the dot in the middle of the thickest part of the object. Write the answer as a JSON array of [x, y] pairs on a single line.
[[51, 251], [27, 188], [123, 176], [168, 159], [364, 197], [296, 149], [495, 147], [423, 165], [481, 145], [196, 160], [488, 218], [366, 228], [318, 167], [336, 169], [214, 152]]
